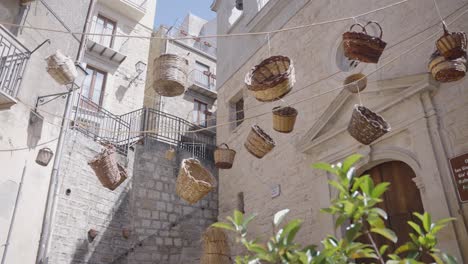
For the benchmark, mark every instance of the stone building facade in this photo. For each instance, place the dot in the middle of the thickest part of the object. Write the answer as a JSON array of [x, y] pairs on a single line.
[[428, 119]]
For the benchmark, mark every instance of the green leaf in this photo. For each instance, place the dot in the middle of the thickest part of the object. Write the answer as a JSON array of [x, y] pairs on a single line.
[[224, 226], [325, 167], [350, 161], [238, 218], [416, 227], [248, 220], [367, 185], [290, 230], [449, 259], [279, 216], [437, 259], [385, 232], [383, 249], [380, 189], [427, 221], [380, 212], [408, 246]]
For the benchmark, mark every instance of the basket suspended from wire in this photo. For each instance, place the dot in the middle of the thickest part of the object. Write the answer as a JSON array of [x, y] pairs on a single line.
[[362, 46], [170, 72], [355, 83], [224, 156], [272, 79], [110, 173], [170, 153], [44, 156], [215, 247], [284, 119], [444, 70], [258, 142], [194, 181], [61, 68], [452, 45], [26, 2], [366, 126]]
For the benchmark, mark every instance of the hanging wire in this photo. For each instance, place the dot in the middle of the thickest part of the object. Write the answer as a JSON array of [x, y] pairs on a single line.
[[439, 13]]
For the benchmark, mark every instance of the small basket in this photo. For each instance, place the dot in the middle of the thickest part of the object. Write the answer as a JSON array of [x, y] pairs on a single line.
[[170, 154], [452, 45], [215, 247], [224, 157], [284, 119], [194, 181], [26, 2], [109, 172], [361, 46], [258, 143], [366, 126], [61, 68], [170, 73], [444, 70], [355, 83], [272, 79], [44, 156]]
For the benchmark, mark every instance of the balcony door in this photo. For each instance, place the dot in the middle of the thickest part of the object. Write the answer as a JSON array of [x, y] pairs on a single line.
[[105, 26], [202, 74], [93, 87]]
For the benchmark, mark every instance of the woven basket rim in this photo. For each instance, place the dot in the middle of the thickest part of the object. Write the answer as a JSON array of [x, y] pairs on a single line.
[[378, 123], [269, 83], [285, 111], [437, 56], [353, 35], [173, 56], [225, 149], [356, 77], [257, 130], [189, 175], [454, 33]]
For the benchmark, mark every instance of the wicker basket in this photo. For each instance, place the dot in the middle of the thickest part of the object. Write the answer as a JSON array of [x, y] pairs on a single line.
[[258, 143], [355, 83], [215, 247], [272, 79], [194, 181], [361, 46], [452, 45], [61, 68], [224, 157], [366, 126], [26, 2], [170, 73], [284, 119], [109, 172], [444, 70], [170, 154]]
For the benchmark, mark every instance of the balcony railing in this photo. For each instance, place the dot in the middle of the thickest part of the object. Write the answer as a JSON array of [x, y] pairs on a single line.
[[203, 79], [13, 60], [205, 46]]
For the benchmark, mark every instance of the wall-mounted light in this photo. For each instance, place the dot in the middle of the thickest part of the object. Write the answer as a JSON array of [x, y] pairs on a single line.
[[44, 156]]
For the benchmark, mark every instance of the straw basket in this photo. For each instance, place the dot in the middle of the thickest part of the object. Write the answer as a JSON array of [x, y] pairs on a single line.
[[61, 68], [224, 157], [194, 181], [272, 79], [355, 83], [109, 172], [170, 154], [25, 2], [361, 46], [284, 119], [452, 45], [170, 73], [215, 247], [444, 70], [366, 126], [258, 143]]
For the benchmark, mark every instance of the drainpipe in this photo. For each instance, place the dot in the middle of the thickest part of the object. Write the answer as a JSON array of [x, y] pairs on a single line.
[[52, 194], [13, 217]]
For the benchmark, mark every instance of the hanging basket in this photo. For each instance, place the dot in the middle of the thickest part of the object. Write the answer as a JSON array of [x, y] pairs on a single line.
[[355, 83], [258, 143], [366, 126], [170, 154], [452, 45], [44, 156], [109, 172], [170, 73], [361, 46], [215, 247], [240, 5], [224, 157], [284, 119], [272, 79], [444, 70], [26, 2], [194, 181], [61, 68]]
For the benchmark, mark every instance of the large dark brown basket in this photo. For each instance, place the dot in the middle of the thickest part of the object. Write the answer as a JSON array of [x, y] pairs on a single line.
[[361, 46], [284, 119], [194, 181], [258, 142], [444, 70], [224, 156], [366, 126], [170, 73], [272, 79], [109, 172], [452, 45]]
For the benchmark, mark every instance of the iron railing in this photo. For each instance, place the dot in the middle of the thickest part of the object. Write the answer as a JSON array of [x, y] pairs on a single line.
[[13, 60], [203, 45], [203, 79]]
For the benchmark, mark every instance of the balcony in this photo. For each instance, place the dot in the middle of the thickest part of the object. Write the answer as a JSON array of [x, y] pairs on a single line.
[[204, 46], [13, 60], [203, 83], [135, 9]]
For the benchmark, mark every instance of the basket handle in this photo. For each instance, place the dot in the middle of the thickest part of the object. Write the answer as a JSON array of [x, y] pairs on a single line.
[[373, 22], [224, 144], [357, 24]]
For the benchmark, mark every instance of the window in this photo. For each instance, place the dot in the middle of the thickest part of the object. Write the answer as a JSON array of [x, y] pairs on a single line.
[[202, 74], [239, 107], [235, 15], [103, 25], [93, 86], [200, 113]]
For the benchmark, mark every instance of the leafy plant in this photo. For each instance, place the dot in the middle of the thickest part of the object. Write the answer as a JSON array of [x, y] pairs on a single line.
[[355, 208]]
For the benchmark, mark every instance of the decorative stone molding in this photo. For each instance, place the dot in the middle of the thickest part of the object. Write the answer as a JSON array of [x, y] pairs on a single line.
[[418, 180]]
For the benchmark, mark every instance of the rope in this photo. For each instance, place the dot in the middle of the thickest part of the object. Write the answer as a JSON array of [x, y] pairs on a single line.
[[27, 148], [439, 13]]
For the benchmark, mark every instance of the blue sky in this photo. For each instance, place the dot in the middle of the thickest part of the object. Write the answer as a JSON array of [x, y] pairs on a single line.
[[168, 11]]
